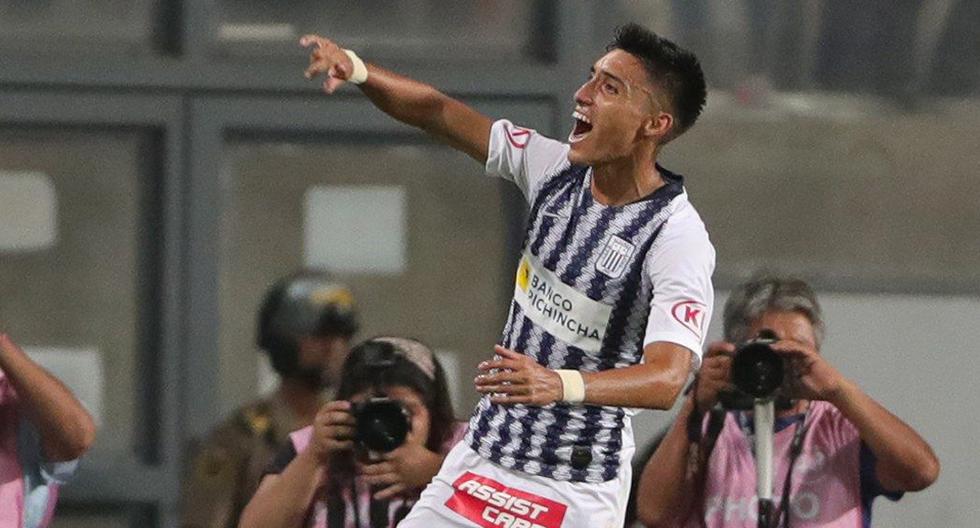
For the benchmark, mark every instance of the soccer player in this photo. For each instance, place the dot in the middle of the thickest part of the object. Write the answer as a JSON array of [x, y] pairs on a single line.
[[613, 290]]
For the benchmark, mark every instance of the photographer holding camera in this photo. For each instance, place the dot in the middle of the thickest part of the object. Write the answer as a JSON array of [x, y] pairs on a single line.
[[834, 450], [370, 452], [305, 325]]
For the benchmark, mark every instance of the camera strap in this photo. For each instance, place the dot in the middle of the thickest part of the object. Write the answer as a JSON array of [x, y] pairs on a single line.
[[795, 448]]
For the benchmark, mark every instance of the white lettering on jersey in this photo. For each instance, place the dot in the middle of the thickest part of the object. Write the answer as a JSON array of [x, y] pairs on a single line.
[[558, 308]]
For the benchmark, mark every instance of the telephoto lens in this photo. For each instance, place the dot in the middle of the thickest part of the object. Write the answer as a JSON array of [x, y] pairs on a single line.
[[757, 369], [381, 424]]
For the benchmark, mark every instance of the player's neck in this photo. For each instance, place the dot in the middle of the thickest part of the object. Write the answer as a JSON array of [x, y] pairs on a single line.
[[626, 180]]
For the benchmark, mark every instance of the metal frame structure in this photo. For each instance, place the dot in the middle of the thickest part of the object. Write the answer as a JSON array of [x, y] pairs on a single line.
[[194, 99]]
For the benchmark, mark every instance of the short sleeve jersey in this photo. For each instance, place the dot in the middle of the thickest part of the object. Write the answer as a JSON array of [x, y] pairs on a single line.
[[594, 285]]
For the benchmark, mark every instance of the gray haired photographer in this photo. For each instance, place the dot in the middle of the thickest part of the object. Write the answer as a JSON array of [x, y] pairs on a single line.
[[369, 452], [833, 448]]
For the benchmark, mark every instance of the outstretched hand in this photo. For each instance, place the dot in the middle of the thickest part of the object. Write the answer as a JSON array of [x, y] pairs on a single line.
[[513, 377], [327, 58]]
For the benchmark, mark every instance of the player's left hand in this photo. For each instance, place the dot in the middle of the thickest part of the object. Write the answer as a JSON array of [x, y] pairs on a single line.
[[408, 468], [513, 377], [815, 378]]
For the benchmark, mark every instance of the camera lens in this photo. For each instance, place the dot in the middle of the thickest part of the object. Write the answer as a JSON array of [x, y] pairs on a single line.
[[382, 424], [757, 370]]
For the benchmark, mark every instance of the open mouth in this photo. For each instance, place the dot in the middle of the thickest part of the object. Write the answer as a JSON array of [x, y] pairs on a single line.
[[581, 129]]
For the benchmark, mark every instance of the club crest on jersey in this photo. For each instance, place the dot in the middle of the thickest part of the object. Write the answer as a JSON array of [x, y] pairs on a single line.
[[615, 257]]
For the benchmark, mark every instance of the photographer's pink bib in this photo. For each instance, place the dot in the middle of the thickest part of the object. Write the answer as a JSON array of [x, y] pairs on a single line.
[[826, 483]]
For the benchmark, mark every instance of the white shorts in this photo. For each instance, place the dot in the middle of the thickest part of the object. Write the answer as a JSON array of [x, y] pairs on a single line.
[[472, 491]]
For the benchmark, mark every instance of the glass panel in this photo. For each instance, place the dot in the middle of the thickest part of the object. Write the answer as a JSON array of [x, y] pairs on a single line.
[[838, 139], [431, 30], [70, 276], [77, 26], [452, 288], [71, 514], [844, 190], [898, 49], [90, 521]]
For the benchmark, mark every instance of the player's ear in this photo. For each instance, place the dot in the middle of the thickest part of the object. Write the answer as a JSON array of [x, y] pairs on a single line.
[[657, 125]]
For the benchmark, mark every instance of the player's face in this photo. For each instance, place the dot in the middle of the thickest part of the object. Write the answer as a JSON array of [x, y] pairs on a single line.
[[611, 109]]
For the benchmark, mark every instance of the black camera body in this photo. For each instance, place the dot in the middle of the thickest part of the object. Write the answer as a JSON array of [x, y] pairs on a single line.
[[381, 424], [757, 372]]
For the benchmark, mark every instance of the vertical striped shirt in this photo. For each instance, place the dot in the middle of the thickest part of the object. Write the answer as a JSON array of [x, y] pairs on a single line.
[[595, 283]]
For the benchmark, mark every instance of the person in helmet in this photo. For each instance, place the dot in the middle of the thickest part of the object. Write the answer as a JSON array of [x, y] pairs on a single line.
[[305, 325]]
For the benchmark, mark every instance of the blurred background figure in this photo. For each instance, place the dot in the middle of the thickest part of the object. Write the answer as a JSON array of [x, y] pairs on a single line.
[[305, 326], [364, 461], [44, 430], [834, 451]]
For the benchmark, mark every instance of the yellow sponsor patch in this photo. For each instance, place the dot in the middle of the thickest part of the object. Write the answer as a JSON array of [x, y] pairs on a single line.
[[523, 274]]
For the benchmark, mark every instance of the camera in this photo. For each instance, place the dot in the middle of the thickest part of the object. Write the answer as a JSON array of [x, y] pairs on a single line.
[[758, 372], [381, 424]]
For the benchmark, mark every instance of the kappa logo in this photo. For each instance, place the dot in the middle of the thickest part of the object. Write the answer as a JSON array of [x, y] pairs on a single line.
[[691, 315], [490, 504], [519, 137], [615, 257]]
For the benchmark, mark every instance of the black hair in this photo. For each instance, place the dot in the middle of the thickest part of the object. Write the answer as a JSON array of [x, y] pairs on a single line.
[[675, 70], [375, 366]]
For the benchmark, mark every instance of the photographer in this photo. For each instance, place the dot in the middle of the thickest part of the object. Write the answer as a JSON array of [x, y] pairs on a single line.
[[330, 477], [305, 326], [835, 449]]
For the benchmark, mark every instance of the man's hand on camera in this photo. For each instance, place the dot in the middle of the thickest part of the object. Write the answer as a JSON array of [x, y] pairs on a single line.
[[407, 468], [517, 378], [715, 375], [813, 377], [333, 429], [327, 58]]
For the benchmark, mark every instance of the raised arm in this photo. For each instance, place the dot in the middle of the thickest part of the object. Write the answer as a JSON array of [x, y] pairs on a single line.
[[411, 102], [66, 428], [904, 461]]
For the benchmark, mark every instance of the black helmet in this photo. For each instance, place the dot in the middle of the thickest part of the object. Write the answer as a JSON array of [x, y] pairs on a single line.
[[305, 304]]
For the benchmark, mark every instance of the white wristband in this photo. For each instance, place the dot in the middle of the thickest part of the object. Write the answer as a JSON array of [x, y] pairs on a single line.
[[360, 73], [572, 386]]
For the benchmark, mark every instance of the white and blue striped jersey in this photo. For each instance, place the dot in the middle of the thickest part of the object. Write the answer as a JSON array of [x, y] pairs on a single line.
[[594, 285]]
